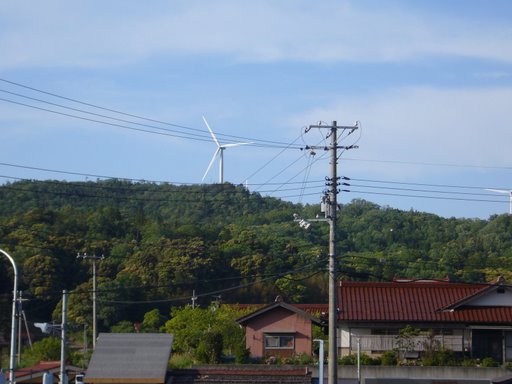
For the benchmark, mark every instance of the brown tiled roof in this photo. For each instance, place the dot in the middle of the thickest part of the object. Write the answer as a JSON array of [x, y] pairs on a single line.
[[290, 307], [260, 374], [22, 374], [414, 302]]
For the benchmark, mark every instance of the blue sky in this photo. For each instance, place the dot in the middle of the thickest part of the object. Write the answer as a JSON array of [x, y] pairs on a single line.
[[429, 81]]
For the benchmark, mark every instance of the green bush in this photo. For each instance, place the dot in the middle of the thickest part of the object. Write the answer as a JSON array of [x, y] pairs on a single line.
[[180, 361], [301, 359], [365, 360], [489, 362], [443, 357], [389, 358], [241, 353], [469, 363], [347, 360], [209, 350]]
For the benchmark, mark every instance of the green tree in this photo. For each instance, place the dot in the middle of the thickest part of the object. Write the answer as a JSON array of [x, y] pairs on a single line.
[[153, 320], [209, 350], [190, 325], [46, 349], [407, 340], [40, 273]]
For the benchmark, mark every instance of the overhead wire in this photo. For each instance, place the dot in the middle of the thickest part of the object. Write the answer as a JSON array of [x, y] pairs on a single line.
[[300, 189], [211, 293], [201, 134]]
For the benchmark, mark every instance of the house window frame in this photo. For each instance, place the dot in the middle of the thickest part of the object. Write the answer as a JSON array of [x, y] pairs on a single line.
[[284, 340]]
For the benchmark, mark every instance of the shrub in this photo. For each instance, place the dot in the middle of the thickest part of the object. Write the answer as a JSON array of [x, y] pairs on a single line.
[[489, 362], [469, 363], [301, 359], [209, 350], [241, 354], [389, 358], [348, 360], [442, 357], [180, 361], [352, 360]]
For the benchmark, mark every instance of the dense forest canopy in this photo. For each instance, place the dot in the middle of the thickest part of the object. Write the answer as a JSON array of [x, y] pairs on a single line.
[[163, 242]]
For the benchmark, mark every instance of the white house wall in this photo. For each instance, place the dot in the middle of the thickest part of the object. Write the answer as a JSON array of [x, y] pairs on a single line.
[[493, 299]]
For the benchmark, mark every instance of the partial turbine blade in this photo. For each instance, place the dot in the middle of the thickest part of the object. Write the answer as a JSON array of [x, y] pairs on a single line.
[[235, 145], [211, 163], [499, 190], [211, 132]]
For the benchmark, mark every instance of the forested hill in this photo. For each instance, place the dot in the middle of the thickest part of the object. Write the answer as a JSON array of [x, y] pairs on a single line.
[[162, 241]]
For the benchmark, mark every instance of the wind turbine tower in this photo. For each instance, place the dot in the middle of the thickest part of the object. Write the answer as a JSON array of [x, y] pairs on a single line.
[[220, 153], [508, 192]]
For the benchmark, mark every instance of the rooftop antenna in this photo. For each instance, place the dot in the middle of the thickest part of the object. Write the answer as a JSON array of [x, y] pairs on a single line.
[[220, 153], [506, 191]]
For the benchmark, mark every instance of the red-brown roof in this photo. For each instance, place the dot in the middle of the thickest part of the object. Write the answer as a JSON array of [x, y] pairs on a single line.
[[24, 374], [415, 302], [236, 374], [278, 304]]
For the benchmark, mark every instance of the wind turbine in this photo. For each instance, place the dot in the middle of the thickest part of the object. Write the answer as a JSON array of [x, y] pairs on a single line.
[[508, 192], [220, 153]]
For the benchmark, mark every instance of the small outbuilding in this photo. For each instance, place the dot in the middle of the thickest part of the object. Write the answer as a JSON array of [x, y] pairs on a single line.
[[135, 358], [279, 330]]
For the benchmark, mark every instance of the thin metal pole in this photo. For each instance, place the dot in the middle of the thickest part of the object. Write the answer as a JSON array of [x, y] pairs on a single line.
[[12, 360], [20, 309], [94, 321], [63, 337], [320, 361], [333, 308], [359, 360]]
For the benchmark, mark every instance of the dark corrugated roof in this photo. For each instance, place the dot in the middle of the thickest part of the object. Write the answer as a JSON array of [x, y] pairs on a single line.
[[130, 357], [415, 301]]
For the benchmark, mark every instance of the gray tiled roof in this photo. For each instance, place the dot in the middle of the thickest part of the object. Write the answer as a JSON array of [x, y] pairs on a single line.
[[130, 357]]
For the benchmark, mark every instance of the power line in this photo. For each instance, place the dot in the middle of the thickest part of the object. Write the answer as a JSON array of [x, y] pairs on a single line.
[[216, 292], [430, 164], [427, 197], [199, 134]]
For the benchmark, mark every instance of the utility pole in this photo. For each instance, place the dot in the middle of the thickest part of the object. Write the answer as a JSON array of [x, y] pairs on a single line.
[[12, 358], [94, 321], [331, 208], [21, 316], [63, 329]]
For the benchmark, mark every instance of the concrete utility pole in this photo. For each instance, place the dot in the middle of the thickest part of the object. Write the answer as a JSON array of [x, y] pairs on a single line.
[[63, 330], [12, 360], [331, 208], [94, 321]]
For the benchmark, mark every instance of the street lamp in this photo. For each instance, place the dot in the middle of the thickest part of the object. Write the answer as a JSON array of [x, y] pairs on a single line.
[[12, 361], [48, 328]]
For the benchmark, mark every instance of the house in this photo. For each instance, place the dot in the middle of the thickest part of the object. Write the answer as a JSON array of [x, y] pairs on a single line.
[[134, 358], [279, 329], [474, 320], [35, 373]]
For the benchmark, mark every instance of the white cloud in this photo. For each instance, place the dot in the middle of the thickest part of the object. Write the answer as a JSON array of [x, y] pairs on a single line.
[[58, 33], [464, 126]]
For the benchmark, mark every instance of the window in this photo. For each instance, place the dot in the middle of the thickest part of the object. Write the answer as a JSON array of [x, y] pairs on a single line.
[[279, 341], [508, 346]]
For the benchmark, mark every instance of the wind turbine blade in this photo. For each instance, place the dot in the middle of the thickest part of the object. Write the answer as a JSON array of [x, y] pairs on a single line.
[[499, 190], [211, 163], [235, 145], [211, 132]]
